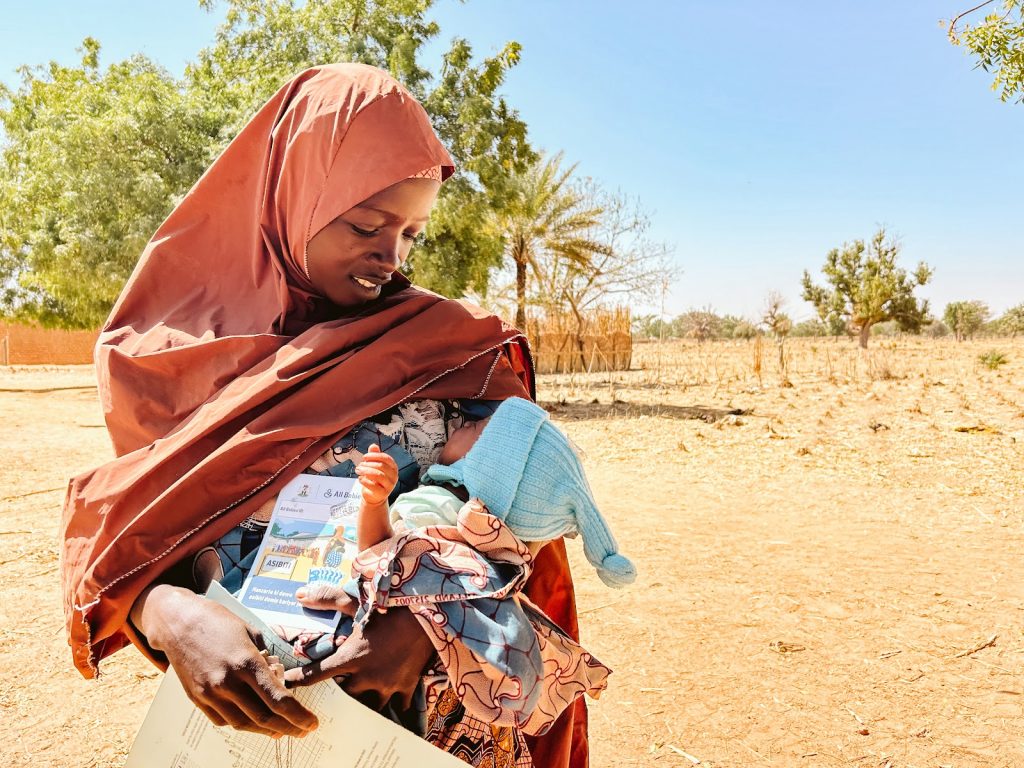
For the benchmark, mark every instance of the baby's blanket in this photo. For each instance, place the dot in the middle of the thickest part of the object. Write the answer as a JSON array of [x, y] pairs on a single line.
[[509, 663]]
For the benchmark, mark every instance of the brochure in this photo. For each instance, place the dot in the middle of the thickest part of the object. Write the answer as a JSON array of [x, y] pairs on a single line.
[[311, 539]]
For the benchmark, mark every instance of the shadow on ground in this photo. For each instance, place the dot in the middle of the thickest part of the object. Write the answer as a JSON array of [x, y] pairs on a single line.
[[620, 409]]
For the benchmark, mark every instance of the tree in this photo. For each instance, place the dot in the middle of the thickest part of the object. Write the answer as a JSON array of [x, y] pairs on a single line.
[[729, 325], [92, 161], [998, 43], [628, 263], [778, 323], [700, 324], [1012, 321], [865, 287], [965, 318], [547, 217]]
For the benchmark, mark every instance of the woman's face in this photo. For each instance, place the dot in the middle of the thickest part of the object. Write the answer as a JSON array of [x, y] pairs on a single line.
[[353, 256]]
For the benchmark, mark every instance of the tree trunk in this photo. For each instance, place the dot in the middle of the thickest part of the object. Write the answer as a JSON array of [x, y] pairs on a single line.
[[521, 294], [865, 334]]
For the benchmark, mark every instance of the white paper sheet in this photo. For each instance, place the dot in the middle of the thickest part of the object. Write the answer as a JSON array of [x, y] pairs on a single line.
[[177, 735]]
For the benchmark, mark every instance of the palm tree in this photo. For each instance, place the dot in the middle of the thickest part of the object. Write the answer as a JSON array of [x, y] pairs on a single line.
[[547, 216]]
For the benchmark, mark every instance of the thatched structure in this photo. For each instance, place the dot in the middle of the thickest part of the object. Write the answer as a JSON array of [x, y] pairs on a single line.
[[599, 340], [31, 345]]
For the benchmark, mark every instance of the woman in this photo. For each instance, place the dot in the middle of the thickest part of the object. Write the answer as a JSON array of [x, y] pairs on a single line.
[[266, 318]]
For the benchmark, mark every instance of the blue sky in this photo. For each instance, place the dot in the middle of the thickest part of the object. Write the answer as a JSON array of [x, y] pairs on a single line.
[[759, 135]]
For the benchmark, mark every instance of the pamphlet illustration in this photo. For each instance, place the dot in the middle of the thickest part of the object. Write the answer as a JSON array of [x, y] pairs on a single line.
[[311, 539]]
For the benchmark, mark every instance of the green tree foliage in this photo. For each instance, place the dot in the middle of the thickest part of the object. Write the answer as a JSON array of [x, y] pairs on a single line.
[[865, 286], [488, 141], [810, 328], [651, 327], [264, 42], [965, 318], [1011, 322], [93, 160], [997, 41], [546, 216], [729, 324], [744, 329]]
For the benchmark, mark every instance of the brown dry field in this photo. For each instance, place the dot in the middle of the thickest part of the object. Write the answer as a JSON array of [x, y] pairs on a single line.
[[833, 578]]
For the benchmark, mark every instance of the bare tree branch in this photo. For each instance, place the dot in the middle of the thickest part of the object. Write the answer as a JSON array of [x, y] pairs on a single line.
[[952, 24]]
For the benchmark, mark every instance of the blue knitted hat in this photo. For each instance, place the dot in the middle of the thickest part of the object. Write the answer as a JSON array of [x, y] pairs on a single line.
[[526, 472]]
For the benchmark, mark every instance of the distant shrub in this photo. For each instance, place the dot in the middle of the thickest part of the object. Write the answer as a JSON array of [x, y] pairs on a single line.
[[744, 330], [1012, 321], [993, 359], [810, 328], [937, 329], [889, 328], [966, 318]]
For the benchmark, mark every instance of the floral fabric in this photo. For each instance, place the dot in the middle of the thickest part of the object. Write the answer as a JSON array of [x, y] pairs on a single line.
[[475, 743], [511, 665]]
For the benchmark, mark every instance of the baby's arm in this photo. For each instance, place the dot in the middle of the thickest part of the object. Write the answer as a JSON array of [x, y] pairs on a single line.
[[378, 474]]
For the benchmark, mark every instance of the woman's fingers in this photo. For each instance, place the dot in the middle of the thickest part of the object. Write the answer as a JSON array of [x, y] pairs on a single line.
[[240, 721], [221, 711], [273, 708], [212, 714], [316, 671]]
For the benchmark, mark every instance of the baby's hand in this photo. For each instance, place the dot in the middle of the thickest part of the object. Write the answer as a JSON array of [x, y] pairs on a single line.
[[378, 474]]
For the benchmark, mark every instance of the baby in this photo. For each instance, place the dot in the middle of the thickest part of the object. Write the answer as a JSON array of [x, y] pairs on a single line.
[[519, 465], [494, 664]]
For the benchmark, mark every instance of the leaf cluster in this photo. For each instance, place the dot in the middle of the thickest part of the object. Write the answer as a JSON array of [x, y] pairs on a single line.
[[92, 161], [997, 41], [993, 359]]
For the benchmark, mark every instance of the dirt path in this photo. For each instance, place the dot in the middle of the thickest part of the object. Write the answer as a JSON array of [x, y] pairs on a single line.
[[818, 576]]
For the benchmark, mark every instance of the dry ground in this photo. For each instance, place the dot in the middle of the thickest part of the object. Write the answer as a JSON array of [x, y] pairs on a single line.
[[830, 579]]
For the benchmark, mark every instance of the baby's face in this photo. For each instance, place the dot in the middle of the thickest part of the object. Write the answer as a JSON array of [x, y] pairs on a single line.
[[460, 441]]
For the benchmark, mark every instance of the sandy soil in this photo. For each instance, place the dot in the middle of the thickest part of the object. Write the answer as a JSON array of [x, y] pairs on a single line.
[[831, 578]]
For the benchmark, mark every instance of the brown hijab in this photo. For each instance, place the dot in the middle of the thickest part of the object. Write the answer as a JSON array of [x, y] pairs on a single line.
[[222, 374]]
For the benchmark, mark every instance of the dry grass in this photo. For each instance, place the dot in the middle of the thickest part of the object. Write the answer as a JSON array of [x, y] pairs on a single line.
[[601, 343], [830, 570]]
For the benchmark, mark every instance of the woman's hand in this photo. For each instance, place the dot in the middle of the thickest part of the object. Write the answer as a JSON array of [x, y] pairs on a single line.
[[216, 657], [383, 660]]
